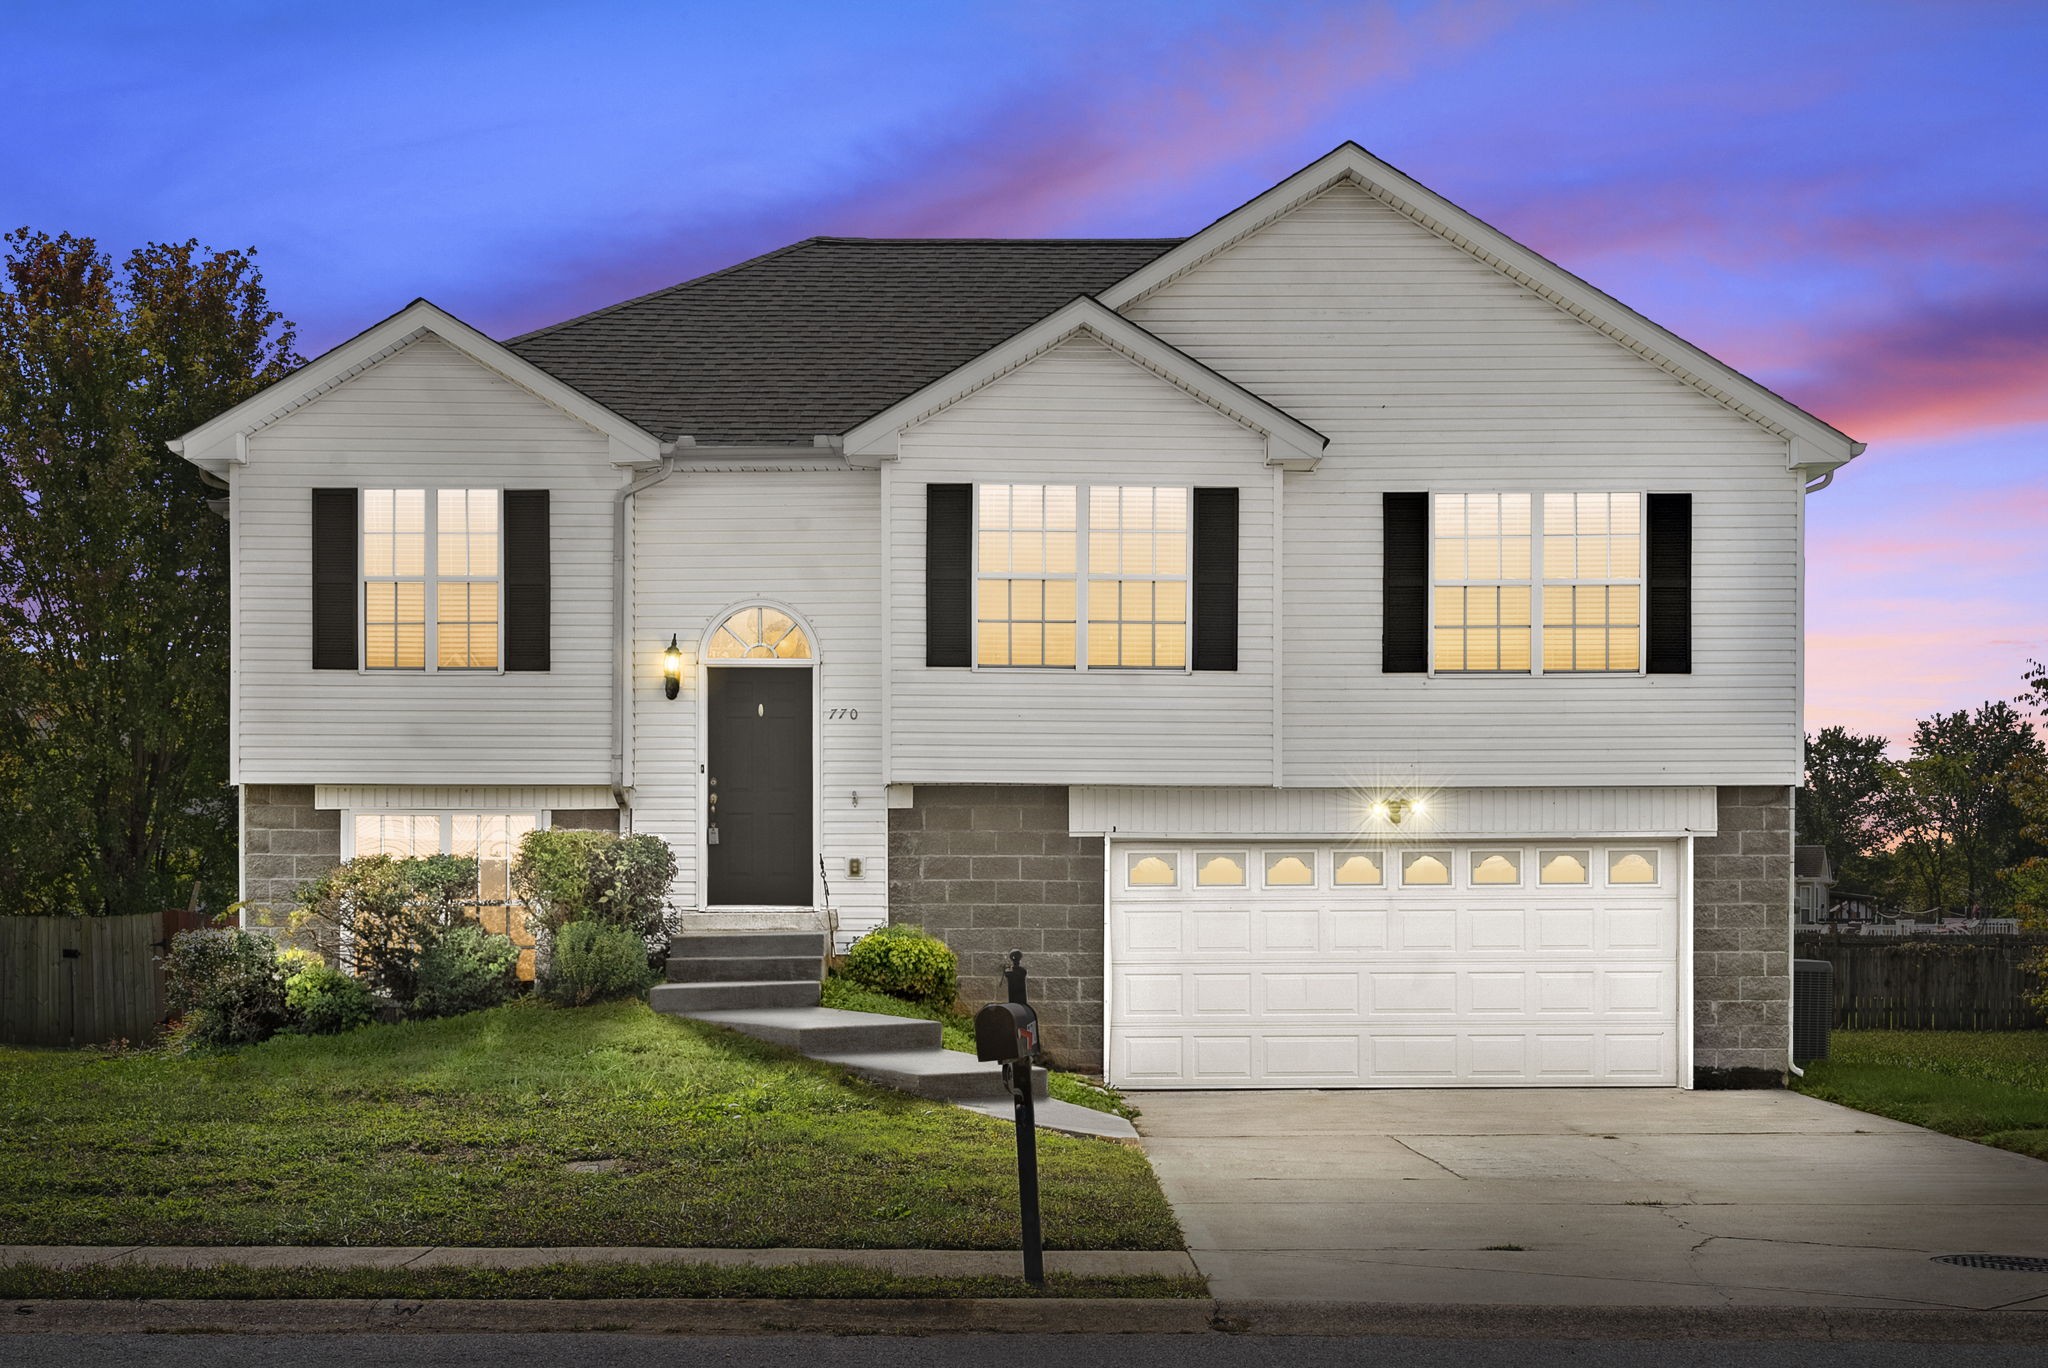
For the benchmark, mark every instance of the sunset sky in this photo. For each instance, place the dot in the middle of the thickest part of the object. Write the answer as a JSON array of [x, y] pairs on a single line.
[[1850, 204]]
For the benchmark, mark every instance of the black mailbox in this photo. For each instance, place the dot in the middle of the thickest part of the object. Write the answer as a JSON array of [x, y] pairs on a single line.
[[1004, 1031]]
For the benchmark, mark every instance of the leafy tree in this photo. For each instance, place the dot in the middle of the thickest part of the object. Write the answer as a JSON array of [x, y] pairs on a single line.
[[1954, 814], [113, 571], [2035, 693], [1842, 804]]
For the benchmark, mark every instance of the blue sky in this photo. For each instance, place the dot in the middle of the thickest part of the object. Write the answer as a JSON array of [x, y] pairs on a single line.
[[1849, 201]]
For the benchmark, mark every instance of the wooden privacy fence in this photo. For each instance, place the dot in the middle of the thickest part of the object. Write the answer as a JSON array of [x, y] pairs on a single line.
[[80, 980], [1930, 983]]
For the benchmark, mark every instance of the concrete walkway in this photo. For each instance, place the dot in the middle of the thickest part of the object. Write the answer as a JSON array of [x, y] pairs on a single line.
[[935, 1263], [1589, 1198]]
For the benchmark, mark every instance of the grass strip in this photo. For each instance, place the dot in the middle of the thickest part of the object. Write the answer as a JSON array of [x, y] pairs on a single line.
[[1986, 1086], [556, 1282], [956, 1032]]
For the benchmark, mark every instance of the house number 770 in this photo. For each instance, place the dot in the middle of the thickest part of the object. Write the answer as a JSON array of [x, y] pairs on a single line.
[[842, 714]]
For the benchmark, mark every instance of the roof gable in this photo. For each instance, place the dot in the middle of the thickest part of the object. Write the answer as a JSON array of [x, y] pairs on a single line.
[[1290, 443], [223, 442], [815, 337], [1812, 443]]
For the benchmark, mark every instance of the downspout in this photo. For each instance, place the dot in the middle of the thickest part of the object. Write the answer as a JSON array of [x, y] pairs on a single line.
[[622, 627]]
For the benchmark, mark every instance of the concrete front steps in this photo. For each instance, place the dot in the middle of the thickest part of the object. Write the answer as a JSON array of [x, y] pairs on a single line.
[[764, 983]]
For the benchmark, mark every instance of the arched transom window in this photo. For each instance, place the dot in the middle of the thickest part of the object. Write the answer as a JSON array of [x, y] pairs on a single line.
[[759, 634]]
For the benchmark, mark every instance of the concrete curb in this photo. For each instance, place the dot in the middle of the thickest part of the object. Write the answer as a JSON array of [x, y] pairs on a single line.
[[932, 1316], [1429, 1321]]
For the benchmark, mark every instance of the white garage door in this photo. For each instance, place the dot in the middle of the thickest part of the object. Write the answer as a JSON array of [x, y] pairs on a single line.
[[1491, 964]]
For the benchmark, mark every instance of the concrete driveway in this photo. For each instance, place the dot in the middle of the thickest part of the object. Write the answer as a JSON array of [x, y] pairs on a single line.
[[1611, 1198]]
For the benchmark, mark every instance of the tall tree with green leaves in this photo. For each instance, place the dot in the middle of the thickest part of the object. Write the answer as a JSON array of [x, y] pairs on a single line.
[[1842, 804], [113, 568], [1955, 816]]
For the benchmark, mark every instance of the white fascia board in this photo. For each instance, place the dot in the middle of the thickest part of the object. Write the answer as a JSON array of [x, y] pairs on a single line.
[[1826, 446], [1290, 443], [224, 441]]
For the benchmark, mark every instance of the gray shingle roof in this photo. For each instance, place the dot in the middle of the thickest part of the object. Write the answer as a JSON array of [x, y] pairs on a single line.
[[821, 334]]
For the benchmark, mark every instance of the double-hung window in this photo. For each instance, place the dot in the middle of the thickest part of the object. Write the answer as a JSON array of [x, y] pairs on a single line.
[[432, 566], [1543, 584], [1043, 552], [490, 838]]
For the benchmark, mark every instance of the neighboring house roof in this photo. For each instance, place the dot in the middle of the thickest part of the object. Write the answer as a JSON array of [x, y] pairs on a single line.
[[1811, 862], [820, 335], [1290, 442], [224, 441]]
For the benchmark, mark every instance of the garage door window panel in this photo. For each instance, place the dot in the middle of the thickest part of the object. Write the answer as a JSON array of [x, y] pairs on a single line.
[[1633, 868], [1358, 869], [1426, 869], [1564, 867], [1152, 869], [1497, 868], [1290, 869], [1219, 868]]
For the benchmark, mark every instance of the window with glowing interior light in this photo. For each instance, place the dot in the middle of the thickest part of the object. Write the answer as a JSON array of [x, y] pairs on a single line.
[[1528, 584], [432, 563], [1088, 577]]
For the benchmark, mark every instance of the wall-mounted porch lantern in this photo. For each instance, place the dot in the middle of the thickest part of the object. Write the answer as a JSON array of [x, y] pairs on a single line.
[[672, 668]]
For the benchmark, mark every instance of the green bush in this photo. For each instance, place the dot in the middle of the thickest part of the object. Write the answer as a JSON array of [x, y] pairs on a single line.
[[466, 970], [594, 876], [594, 962], [324, 1001], [227, 985], [391, 914], [904, 962]]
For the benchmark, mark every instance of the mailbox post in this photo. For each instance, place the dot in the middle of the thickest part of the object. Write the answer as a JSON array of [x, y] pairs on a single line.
[[1008, 1032]]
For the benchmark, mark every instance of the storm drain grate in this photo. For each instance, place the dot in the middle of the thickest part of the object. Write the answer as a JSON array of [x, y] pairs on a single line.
[[2004, 1263]]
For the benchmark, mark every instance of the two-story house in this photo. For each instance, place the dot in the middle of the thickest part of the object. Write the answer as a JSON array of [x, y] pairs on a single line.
[[1340, 648]]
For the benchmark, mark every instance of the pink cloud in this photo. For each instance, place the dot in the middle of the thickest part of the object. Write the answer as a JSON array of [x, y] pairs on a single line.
[[1051, 160]]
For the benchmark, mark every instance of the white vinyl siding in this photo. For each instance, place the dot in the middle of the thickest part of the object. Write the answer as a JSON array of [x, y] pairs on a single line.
[[1429, 370], [1081, 415], [424, 416], [708, 541]]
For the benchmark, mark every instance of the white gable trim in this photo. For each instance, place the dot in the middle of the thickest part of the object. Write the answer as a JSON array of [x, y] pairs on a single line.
[[224, 441], [1813, 445], [1290, 443]]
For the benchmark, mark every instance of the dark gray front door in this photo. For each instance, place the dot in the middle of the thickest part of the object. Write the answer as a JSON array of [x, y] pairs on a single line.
[[760, 787]]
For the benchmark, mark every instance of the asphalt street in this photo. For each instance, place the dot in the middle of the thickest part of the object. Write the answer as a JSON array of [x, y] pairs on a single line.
[[1005, 1351]]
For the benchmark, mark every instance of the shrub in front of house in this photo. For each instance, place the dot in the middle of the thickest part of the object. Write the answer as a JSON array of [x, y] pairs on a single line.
[[227, 985], [391, 913], [594, 962], [465, 970], [324, 1001], [905, 962], [567, 877]]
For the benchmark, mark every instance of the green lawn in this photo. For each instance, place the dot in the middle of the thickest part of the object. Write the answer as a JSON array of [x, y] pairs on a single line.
[[1988, 1086], [22, 1282], [455, 1132], [956, 1031]]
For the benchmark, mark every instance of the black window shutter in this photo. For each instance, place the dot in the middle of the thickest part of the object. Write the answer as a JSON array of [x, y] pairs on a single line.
[[334, 579], [1215, 579], [1404, 583], [1668, 521], [528, 567], [948, 575]]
